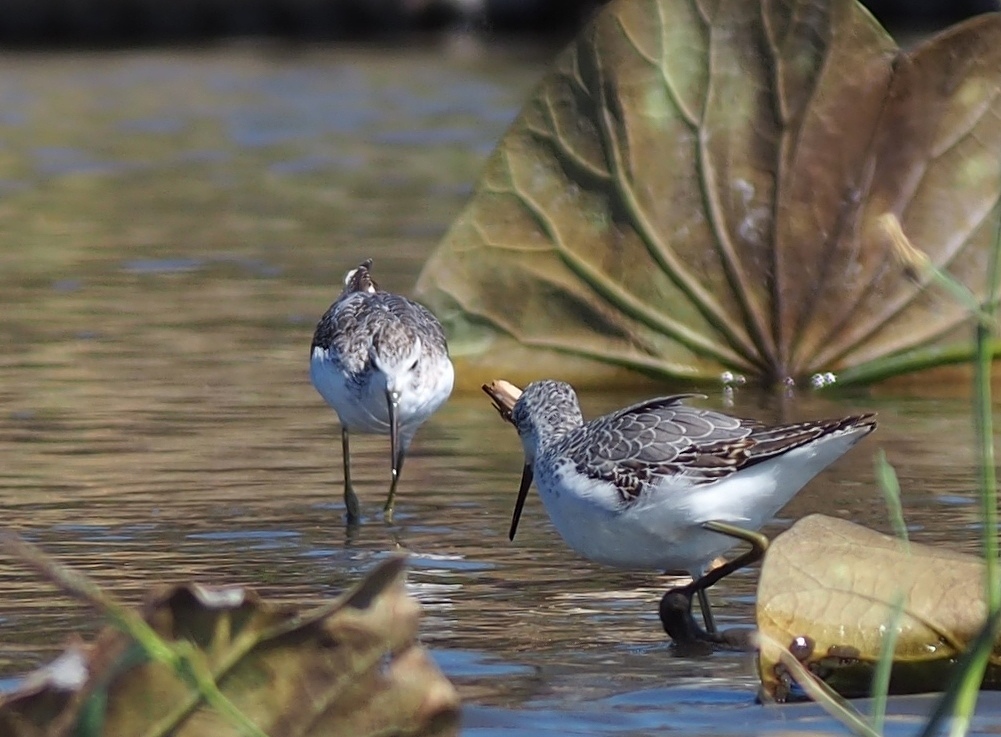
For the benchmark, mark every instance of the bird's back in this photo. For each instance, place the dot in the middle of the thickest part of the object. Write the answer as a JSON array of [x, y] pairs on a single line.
[[662, 439], [363, 313]]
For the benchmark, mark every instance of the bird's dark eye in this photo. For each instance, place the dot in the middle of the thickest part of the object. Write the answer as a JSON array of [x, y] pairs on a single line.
[[413, 366]]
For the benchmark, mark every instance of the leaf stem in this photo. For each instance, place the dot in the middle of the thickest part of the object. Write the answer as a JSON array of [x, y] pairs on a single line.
[[829, 700], [884, 666], [888, 482], [917, 359], [971, 677]]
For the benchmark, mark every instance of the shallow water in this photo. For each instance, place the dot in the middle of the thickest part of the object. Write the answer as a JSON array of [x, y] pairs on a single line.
[[173, 223]]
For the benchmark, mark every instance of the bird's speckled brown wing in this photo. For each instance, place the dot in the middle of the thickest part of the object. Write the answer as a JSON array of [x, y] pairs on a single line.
[[363, 315], [641, 445]]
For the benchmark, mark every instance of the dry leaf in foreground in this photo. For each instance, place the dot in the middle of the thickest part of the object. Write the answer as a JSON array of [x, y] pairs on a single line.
[[351, 667]]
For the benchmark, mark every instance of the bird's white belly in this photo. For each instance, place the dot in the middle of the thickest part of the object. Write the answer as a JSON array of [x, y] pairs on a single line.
[[363, 408], [660, 532], [663, 529]]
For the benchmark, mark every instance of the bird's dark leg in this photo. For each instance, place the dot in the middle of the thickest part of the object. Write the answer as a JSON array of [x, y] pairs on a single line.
[[350, 498], [676, 617], [707, 612], [675, 607], [396, 451]]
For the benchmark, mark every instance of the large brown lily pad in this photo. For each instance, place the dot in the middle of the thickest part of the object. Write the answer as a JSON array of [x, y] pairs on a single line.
[[830, 589], [695, 188]]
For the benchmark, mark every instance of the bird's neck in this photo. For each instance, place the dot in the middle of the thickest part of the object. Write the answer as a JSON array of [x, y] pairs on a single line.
[[557, 428]]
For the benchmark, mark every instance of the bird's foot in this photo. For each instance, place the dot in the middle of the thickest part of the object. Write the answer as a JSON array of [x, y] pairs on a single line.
[[679, 624], [352, 505]]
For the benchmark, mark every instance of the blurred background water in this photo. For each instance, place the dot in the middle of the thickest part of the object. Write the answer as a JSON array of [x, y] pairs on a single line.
[[172, 224]]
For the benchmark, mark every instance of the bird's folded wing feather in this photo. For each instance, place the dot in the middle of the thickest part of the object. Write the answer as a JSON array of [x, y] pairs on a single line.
[[646, 443]]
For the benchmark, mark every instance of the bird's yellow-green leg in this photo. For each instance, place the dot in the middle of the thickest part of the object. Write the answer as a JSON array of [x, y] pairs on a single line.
[[758, 543], [397, 469], [350, 498], [396, 451]]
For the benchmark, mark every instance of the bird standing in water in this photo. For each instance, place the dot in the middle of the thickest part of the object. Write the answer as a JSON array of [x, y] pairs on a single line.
[[381, 361], [663, 486]]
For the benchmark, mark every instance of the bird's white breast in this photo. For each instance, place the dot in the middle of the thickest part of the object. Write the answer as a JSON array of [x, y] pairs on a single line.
[[362, 406]]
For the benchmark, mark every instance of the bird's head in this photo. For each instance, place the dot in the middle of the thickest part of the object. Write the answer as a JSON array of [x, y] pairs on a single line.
[[545, 412]]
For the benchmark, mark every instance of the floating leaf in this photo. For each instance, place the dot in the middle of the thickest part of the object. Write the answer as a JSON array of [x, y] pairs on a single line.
[[831, 588], [696, 188], [350, 667]]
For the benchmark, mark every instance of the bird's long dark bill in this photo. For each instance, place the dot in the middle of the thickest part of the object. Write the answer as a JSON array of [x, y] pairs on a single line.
[[393, 409], [526, 481]]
